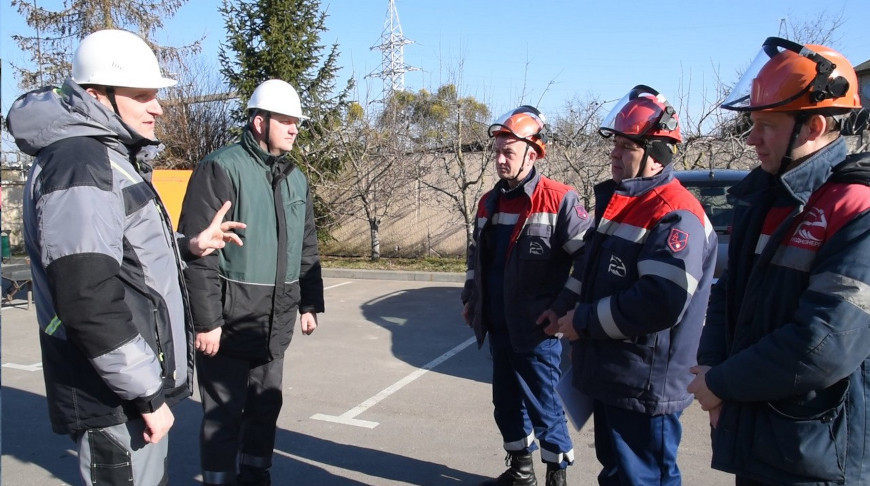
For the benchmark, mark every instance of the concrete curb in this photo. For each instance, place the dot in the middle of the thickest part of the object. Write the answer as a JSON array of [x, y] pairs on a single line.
[[393, 275]]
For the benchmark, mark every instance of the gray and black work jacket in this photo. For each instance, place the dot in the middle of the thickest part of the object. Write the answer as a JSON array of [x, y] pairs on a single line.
[[106, 269], [254, 291]]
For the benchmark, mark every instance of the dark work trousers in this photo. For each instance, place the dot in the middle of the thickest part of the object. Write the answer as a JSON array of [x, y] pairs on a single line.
[[241, 401], [636, 449], [739, 481], [525, 399]]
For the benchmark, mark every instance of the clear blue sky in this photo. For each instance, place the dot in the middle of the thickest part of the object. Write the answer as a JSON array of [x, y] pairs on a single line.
[[544, 53]]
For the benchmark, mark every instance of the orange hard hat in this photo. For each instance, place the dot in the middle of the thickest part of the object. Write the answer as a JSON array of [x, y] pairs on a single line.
[[643, 114], [525, 123], [787, 77]]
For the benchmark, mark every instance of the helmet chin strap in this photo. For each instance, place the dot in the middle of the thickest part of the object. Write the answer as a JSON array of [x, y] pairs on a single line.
[[110, 93], [787, 159], [522, 166], [643, 160], [268, 121]]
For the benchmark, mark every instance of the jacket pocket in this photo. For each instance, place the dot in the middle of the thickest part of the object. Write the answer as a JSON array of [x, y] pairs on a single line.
[[228, 298], [246, 319], [110, 460], [620, 368], [284, 320], [805, 439], [535, 254]]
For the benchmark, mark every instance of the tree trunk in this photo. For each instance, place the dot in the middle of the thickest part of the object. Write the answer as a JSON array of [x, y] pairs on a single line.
[[374, 226], [469, 235]]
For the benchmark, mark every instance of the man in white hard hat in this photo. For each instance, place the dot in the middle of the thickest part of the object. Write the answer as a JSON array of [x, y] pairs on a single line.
[[106, 264], [246, 299]]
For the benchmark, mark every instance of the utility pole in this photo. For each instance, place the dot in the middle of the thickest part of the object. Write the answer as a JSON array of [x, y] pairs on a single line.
[[392, 47]]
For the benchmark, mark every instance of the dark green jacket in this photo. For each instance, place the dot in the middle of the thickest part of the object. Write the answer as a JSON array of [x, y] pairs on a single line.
[[253, 291]]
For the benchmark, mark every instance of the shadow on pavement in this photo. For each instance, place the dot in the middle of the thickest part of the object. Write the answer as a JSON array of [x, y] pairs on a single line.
[[28, 438], [374, 463], [184, 453], [425, 323]]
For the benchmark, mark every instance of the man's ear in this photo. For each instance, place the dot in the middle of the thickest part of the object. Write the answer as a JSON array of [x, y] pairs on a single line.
[[815, 126], [257, 124], [94, 92], [654, 166]]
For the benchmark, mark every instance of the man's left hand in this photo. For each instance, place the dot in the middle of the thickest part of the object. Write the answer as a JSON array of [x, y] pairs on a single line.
[[308, 322], [708, 400]]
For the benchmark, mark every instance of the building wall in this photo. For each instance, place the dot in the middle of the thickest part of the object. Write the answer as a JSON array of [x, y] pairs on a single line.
[[12, 195], [864, 83]]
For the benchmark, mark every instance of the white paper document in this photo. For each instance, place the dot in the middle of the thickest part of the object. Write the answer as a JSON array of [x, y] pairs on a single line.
[[578, 405]]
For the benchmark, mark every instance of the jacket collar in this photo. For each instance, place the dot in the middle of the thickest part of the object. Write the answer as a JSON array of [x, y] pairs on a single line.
[[798, 183], [250, 144], [810, 174], [636, 185], [276, 166], [527, 186]]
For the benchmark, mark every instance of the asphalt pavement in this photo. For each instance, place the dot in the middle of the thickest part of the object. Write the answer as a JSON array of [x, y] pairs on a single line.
[[389, 390]]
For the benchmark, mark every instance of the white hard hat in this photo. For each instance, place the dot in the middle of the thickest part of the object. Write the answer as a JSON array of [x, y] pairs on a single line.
[[276, 96], [117, 58]]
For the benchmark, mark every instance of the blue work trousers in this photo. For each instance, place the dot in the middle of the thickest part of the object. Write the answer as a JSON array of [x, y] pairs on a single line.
[[635, 448], [525, 399]]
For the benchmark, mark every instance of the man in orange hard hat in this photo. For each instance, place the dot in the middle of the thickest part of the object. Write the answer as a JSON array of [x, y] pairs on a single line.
[[529, 233], [784, 360]]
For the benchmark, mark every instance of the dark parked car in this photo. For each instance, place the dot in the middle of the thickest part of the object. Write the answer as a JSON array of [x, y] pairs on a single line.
[[710, 187]]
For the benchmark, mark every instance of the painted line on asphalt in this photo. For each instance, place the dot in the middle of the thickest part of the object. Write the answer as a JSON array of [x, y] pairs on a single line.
[[38, 366], [347, 418], [337, 285], [15, 366]]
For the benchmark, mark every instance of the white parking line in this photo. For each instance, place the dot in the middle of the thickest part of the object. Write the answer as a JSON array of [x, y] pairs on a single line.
[[347, 418], [15, 366], [38, 366], [337, 285]]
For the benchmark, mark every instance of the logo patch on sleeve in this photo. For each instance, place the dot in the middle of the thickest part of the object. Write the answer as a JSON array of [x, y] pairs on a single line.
[[678, 240], [581, 211]]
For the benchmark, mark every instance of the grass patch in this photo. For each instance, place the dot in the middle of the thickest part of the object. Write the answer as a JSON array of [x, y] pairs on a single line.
[[430, 264]]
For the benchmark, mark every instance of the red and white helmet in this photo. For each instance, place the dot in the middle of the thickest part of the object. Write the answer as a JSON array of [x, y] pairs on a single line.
[[642, 115]]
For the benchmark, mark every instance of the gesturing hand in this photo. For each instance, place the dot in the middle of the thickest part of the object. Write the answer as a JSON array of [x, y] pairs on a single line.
[[218, 233]]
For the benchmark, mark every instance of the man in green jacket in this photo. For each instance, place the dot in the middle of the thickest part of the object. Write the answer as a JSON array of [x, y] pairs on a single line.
[[244, 300]]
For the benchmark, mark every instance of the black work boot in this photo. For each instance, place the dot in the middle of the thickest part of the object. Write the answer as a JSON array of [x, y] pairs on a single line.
[[556, 475], [253, 476], [521, 472]]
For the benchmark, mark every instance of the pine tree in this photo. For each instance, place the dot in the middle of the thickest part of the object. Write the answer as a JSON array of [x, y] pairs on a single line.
[[280, 39], [58, 31]]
